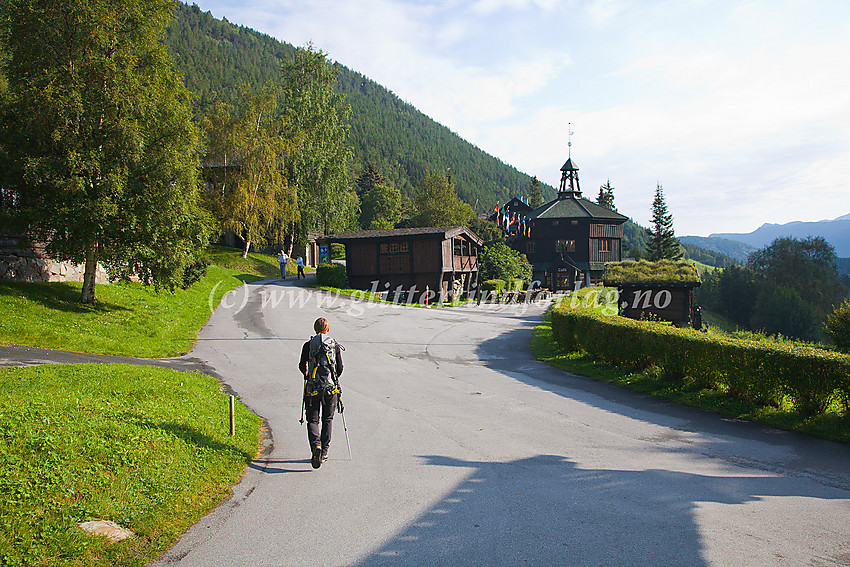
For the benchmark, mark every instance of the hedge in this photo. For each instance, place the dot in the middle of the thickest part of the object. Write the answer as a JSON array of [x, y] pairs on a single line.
[[493, 285], [756, 371], [331, 275]]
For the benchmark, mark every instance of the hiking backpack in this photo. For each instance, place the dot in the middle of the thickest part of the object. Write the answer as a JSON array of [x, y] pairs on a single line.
[[321, 367]]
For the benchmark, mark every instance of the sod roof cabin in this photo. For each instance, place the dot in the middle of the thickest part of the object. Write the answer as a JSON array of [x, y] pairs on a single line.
[[663, 290], [439, 259]]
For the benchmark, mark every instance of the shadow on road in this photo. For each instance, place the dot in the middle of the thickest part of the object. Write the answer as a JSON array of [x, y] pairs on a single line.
[[266, 466], [510, 354], [545, 510]]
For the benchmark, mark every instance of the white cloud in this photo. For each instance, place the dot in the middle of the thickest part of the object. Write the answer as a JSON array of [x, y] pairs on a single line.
[[741, 110]]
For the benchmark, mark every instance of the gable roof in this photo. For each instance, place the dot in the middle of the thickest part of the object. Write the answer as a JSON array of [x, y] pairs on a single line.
[[573, 208], [517, 204], [445, 232]]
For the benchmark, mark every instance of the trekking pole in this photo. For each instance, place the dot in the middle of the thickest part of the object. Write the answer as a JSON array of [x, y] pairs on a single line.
[[344, 428], [303, 395]]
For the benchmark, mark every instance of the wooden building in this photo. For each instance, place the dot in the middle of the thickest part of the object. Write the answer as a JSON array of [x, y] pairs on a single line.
[[668, 301], [442, 259], [570, 239], [661, 290]]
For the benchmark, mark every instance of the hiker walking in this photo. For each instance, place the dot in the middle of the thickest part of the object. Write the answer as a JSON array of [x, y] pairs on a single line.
[[321, 365], [300, 263], [283, 259]]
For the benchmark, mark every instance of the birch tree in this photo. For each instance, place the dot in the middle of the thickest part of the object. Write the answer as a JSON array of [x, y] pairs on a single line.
[[251, 195]]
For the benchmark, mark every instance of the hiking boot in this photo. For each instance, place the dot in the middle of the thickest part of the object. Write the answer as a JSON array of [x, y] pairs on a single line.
[[324, 455], [316, 460]]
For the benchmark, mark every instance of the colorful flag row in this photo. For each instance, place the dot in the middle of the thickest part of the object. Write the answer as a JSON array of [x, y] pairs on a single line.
[[513, 222]]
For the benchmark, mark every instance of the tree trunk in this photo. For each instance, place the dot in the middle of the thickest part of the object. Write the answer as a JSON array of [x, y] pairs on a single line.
[[90, 274], [247, 246]]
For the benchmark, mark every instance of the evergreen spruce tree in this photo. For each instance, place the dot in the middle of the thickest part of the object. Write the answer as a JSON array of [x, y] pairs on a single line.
[[662, 243], [368, 180], [606, 196], [535, 194]]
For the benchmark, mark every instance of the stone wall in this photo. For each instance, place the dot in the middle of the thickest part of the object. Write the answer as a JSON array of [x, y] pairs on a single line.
[[31, 264]]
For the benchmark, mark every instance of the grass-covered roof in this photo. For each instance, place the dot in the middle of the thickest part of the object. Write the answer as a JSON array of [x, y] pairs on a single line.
[[644, 271]]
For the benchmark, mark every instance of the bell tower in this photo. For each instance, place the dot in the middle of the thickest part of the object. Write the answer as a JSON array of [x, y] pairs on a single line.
[[569, 172], [569, 181]]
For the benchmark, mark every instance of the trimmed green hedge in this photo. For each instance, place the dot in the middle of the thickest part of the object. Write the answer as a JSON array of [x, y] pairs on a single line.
[[759, 372], [493, 285], [331, 275]]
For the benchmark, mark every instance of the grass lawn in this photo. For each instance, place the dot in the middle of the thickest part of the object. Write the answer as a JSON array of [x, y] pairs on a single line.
[[830, 425], [148, 448], [129, 319], [258, 264]]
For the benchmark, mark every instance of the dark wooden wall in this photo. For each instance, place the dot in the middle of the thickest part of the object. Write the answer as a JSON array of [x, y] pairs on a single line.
[[669, 304]]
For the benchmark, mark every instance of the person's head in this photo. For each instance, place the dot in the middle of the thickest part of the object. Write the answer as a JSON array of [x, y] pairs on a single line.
[[321, 326]]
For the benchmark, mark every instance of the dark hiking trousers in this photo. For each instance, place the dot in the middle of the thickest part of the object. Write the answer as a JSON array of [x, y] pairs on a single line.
[[320, 408]]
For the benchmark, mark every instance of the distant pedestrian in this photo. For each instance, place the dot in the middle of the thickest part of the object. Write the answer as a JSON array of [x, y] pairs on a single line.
[[321, 365], [283, 260], [300, 263]]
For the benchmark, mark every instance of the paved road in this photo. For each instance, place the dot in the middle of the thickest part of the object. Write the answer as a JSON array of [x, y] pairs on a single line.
[[466, 451]]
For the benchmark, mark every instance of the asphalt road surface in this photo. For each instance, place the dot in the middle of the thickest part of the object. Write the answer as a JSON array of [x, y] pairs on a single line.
[[467, 451]]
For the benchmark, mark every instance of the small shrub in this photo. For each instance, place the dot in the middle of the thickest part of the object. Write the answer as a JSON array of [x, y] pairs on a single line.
[[516, 284], [331, 275], [194, 272], [838, 326], [498, 261]]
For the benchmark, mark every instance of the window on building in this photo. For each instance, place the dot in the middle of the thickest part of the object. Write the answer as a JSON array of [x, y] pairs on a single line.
[[565, 245], [605, 245], [396, 247], [529, 247]]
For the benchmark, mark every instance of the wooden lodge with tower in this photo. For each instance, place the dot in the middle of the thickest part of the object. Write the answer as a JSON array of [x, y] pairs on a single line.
[[570, 239]]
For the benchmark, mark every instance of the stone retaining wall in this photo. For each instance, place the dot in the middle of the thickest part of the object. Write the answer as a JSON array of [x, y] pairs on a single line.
[[30, 264]]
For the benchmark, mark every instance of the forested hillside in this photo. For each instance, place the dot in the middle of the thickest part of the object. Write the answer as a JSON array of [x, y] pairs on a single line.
[[215, 56]]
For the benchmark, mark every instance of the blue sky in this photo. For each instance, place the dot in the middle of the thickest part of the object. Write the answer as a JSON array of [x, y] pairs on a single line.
[[741, 110]]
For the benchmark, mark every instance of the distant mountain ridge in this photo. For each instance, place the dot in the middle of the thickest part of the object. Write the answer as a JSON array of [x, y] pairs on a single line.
[[734, 249], [836, 232]]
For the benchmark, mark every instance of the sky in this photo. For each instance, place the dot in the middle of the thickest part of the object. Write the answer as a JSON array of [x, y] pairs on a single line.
[[740, 110]]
